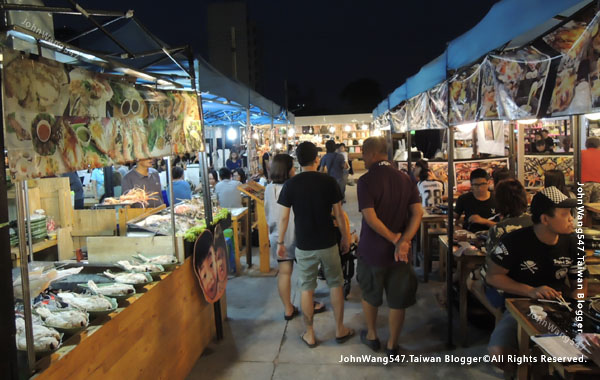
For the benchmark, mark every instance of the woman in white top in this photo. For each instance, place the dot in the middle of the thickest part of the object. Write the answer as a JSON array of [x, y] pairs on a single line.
[[282, 168]]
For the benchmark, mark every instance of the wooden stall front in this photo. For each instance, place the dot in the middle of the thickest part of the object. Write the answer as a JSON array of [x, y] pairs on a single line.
[[160, 335]]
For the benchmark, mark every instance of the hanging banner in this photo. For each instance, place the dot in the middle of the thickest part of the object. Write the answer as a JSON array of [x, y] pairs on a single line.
[[59, 119], [464, 94], [418, 112], [399, 119], [537, 165], [577, 87], [518, 79], [438, 106]]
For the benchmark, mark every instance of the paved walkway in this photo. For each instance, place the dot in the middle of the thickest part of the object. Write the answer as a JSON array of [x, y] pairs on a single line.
[[260, 344]]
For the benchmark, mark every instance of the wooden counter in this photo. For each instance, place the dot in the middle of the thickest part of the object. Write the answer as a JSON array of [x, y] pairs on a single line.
[[160, 335]]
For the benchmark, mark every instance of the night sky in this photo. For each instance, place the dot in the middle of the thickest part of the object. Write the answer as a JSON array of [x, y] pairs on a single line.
[[362, 50]]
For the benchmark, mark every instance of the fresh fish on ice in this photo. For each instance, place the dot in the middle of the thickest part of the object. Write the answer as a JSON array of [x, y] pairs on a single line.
[[145, 267], [86, 301], [64, 319], [115, 289], [128, 278]]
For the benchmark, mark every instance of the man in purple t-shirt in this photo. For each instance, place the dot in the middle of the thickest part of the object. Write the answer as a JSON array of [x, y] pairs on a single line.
[[391, 207]]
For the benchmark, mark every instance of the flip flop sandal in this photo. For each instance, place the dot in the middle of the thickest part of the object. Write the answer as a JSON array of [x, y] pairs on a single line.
[[291, 316], [319, 310], [313, 345], [344, 338], [374, 344]]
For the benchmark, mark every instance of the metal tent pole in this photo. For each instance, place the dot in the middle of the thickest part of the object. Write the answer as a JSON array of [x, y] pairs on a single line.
[[511, 148], [576, 138], [172, 205], [449, 253], [21, 187]]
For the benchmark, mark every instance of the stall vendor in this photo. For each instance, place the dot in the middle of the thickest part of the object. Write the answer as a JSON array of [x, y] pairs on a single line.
[[534, 262], [478, 205], [144, 176]]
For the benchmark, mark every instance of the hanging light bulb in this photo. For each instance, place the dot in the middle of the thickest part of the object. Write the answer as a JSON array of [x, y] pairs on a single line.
[[255, 136], [592, 116], [332, 129], [347, 128], [278, 146], [364, 127], [231, 134], [377, 132], [291, 132]]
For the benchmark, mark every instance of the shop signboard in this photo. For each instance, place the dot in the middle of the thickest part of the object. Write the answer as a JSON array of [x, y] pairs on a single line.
[[537, 165], [463, 169], [59, 118]]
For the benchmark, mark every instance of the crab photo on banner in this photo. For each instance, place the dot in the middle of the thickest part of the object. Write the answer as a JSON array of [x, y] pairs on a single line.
[[536, 166], [463, 169], [210, 264], [59, 118]]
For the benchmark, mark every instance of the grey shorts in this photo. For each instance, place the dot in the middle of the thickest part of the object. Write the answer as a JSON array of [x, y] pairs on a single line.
[[307, 267], [290, 252], [399, 282], [505, 333]]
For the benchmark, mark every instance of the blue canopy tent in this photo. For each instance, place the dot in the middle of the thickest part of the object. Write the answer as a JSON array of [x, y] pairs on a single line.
[[509, 22]]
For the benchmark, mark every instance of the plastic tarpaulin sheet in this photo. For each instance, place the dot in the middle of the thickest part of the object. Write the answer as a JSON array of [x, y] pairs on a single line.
[[418, 111], [399, 119], [517, 80], [577, 88], [506, 20], [464, 95], [438, 106]]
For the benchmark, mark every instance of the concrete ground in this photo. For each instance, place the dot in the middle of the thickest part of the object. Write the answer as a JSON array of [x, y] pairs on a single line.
[[260, 344]]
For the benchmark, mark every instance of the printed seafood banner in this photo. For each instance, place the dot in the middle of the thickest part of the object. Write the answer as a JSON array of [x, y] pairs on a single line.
[[59, 118], [536, 166], [464, 95], [577, 88], [463, 169], [513, 84], [438, 168]]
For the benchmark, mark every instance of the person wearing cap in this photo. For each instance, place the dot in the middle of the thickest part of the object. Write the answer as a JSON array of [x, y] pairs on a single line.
[[534, 262], [478, 205]]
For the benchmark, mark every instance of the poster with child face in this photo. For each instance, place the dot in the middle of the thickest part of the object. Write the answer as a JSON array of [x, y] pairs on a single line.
[[210, 264]]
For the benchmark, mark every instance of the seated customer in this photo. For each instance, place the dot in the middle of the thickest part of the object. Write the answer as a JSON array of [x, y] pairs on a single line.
[[430, 189], [534, 262], [227, 190], [511, 203], [501, 174], [540, 147], [478, 205], [181, 188]]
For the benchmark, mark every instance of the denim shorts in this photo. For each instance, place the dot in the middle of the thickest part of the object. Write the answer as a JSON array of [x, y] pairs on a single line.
[[307, 267], [505, 333]]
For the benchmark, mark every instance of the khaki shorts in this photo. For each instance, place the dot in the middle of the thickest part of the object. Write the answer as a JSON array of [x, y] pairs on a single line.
[[307, 267], [399, 282]]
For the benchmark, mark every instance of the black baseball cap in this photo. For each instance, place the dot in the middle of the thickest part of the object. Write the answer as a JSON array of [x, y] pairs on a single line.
[[549, 198]]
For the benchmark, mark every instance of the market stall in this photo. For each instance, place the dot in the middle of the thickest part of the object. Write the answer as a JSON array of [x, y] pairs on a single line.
[[89, 283], [524, 81]]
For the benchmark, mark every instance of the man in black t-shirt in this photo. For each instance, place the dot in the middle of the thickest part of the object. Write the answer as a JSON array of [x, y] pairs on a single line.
[[312, 195], [478, 205], [534, 262]]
